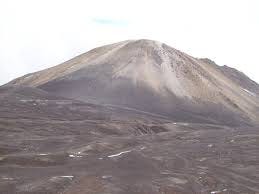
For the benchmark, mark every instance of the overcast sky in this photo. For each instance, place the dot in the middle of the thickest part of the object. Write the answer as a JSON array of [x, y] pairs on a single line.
[[36, 34]]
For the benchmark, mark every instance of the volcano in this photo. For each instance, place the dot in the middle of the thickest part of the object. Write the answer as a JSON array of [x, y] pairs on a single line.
[[134, 117], [153, 77]]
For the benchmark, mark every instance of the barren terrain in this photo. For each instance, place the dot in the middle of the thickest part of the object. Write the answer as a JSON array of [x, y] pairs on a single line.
[[135, 117], [55, 145]]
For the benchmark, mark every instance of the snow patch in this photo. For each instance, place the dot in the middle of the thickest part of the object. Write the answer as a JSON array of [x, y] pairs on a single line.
[[26, 100], [115, 155], [106, 176], [214, 192], [177, 180], [75, 156], [249, 92], [202, 159], [8, 178], [43, 154], [69, 177], [142, 148]]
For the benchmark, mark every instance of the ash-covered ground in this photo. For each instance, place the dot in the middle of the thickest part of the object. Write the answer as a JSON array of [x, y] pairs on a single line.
[[51, 145]]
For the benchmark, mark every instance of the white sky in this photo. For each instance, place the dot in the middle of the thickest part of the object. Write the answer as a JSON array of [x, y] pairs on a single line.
[[36, 34]]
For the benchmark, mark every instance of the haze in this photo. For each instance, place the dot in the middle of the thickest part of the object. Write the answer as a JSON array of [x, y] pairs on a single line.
[[38, 34]]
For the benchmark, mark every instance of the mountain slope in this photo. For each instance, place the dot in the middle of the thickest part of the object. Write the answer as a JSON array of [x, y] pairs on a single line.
[[151, 76], [53, 144], [238, 77]]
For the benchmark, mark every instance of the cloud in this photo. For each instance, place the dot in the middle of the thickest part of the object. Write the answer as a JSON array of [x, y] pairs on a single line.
[[111, 22], [38, 34]]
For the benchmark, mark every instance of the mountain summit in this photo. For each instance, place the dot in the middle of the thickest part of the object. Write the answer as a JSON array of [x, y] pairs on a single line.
[[153, 77]]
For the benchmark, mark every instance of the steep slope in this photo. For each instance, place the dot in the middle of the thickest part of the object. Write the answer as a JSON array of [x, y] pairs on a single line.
[[151, 76], [238, 77], [241, 79]]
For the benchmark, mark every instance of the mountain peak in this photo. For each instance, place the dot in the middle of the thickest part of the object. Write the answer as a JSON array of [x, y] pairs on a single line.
[[144, 41], [154, 77]]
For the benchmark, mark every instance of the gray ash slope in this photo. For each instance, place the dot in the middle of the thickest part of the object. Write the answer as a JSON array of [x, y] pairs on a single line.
[[153, 77], [54, 145]]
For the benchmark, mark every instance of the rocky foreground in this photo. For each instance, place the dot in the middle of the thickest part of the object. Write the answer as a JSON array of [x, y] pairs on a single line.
[[56, 145]]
